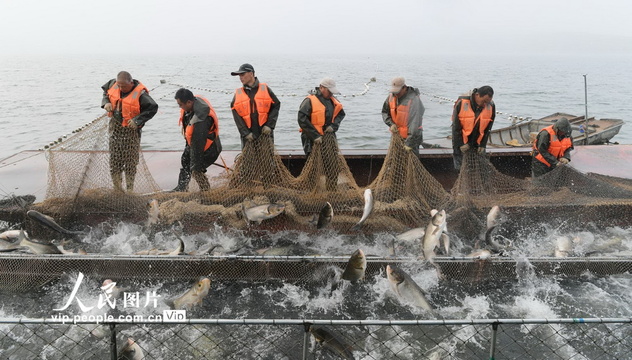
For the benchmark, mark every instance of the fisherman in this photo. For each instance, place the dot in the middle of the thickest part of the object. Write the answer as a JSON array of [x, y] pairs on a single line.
[[255, 107], [403, 111], [129, 106], [552, 147], [472, 120], [200, 129], [320, 113]]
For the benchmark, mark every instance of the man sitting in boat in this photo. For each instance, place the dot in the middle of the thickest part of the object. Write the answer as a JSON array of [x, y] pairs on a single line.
[[552, 147], [319, 113], [403, 111], [472, 120]]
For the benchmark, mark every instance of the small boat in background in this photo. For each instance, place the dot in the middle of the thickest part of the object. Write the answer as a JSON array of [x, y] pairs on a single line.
[[591, 132], [522, 134]]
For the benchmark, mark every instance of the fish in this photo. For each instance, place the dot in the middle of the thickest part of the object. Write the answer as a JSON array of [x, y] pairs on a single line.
[[356, 266], [411, 235], [110, 289], [494, 217], [174, 252], [193, 297], [6, 246], [50, 223], [331, 342], [325, 216], [481, 254], [290, 250], [368, 208], [434, 235], [131, 351], [259, 213], [153, 213], [11, 235], [404, 286], [37, 247], [563, 247]]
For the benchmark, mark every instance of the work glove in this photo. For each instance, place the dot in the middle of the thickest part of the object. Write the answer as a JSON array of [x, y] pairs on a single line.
[[108, 107], [249, 137], [132, 124], [465, 148], [394, 129], [481, 150], [266, 130], [329, 129], [563, 160], [318, 140], [408, 148]]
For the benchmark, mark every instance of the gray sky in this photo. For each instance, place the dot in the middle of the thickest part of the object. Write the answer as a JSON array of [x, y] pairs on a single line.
[[324, 26]]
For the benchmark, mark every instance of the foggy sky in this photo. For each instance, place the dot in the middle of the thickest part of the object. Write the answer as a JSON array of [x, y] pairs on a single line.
[[316, 27]]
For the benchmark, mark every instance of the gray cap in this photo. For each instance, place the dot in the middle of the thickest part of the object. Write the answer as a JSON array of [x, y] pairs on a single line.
[[330, 84], [244, 68], [397, 84]]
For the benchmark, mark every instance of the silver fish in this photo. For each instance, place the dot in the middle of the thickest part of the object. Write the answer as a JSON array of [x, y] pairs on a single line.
[[482, 254], [404, 286], [131, 351], [6, 246], [356, 266], [331, 342], [174, 252], [494, 217], [563, 247], [325, 216], [193, 297], [434, 235], [153, 213], [368, 208], [50, 223], [259, 213], [37, 247], [11, 235], [412, 235]]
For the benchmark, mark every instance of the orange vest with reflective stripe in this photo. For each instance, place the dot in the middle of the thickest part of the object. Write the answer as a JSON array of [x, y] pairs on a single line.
[[556, 148], [318, 112], [468, 120], [262, 100], [399, 115], [129, 105], [188, 132]]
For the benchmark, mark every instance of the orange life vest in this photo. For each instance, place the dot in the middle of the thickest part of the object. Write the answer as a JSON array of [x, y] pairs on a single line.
[[556, 148], [468, 120], [262, 100], [188, 132], [399, 115], [318, 112], [129, 105]]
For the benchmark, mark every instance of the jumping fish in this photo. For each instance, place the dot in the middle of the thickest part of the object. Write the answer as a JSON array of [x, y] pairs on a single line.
[[259, 213], [563, 247], [193, 297], [368, 208], [411, 235], [434, 235], [153, 213], [37, 247], [11, 235], [131, 351], [356, 267], [404, 286], [331, 342], [50, 223], [494, 217], [325, 216], [174, 252]]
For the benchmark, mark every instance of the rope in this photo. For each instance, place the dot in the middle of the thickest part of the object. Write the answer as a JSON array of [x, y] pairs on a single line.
[[515, 119]]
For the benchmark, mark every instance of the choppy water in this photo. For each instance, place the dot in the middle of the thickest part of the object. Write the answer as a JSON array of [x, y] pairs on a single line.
[[45, 97]]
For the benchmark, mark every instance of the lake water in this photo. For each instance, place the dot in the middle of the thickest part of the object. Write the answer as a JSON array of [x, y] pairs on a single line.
[[46, 97]]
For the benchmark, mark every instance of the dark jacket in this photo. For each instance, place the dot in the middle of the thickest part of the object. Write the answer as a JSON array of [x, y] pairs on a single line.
[[305, 116], [202, 124], [457, 135], [255, 129], [415, 116], [148, 107]]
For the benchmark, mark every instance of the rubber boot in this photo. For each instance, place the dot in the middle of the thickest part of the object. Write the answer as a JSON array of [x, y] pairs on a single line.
[[183, 181], [201, 180]]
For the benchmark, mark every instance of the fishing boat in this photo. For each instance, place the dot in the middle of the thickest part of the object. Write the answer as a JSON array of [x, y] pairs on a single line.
[[522, 134]]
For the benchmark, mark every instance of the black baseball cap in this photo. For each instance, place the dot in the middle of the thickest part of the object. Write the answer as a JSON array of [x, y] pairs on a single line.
[[244, 68]]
